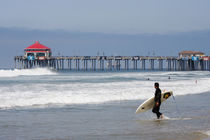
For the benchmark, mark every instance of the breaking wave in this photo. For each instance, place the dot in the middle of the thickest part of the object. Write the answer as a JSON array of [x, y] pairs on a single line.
[[19, 72], [206, 132], [94, 88]]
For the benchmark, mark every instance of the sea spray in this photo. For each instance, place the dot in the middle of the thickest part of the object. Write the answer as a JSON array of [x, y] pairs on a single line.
[[19, 72], [45, 87]]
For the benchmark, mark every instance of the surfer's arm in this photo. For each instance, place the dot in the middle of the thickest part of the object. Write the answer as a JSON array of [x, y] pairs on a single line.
[[156, 99]]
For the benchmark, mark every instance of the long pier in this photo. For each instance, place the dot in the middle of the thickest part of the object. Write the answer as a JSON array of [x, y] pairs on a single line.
[[114, 63]]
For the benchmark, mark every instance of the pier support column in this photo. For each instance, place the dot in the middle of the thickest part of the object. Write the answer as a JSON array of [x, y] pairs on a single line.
[[95, 65], [151, 64], [77, 64], [86, 64], [185, 63], [63, 64], [103, 61], [181, 64], [118, 64], [126, 64], [101, 64], [110, 66], [196, 65], [21, 64], [175, 65], [70, 64], [201, 65], [100, 61], [204, 65], [169, 64], [92, 64], [143, 64], [15, 62], [192, 65], [25, 64], [135, 64], [78, 68], [60, 61], [188, 64], [160, 64], [53, 63]]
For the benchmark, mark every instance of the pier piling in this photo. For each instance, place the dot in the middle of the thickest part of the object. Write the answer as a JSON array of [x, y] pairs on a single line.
[[109, 63]]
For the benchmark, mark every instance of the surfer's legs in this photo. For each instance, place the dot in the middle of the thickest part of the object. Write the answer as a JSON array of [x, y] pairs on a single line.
[[158, 114], [156, 110]]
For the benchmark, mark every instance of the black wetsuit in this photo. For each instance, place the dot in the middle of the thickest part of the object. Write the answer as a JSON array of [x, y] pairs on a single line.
[[157, 99]]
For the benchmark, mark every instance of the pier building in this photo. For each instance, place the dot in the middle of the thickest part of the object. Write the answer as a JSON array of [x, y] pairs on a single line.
[[190, 54], [37, 51]]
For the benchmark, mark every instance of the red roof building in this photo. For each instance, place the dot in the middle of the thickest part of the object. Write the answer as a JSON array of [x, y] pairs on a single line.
[[37, 51]]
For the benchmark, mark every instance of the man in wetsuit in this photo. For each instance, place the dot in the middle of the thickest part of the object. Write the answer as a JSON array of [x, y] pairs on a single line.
[[157, 101]]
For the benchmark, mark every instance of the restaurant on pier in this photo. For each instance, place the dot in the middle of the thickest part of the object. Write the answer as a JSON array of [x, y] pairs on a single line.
[[37, 51], [191, 54]]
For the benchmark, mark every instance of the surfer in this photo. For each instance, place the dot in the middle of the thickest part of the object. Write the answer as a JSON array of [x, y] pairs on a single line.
[[157, 100]]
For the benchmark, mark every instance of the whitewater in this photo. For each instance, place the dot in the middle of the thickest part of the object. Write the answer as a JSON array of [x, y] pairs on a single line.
[[42, 87]]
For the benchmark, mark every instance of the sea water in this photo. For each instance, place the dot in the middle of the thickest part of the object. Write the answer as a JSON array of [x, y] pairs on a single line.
[[45, 104]]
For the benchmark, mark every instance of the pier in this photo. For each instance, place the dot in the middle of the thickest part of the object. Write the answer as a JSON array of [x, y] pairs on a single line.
[[114, 63], [39, 55]]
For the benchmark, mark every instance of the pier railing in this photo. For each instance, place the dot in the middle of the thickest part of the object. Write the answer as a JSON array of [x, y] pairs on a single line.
[[114, 63]]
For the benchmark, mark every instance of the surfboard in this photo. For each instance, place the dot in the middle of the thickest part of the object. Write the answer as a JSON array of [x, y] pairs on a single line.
[[149, 103]]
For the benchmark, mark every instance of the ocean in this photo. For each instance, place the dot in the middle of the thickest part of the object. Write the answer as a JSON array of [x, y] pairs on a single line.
[[42, 104]]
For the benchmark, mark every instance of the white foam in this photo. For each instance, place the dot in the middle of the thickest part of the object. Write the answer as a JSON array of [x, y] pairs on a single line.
[[206, 132], [51, 91], [19, 72], [174, 119]]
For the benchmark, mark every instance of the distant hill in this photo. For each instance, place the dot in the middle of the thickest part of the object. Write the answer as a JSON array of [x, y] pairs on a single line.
[[14, 40]]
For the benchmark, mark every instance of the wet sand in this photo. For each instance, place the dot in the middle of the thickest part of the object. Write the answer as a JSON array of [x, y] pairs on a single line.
[[189, 120]]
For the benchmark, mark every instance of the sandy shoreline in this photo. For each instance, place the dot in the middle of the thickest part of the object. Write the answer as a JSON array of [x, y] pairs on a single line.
[[112, 120]]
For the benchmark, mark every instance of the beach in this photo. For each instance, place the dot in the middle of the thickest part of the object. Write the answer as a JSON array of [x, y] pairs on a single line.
[[43, 104]]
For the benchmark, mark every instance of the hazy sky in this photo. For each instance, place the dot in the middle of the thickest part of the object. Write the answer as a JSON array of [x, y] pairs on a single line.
[[113, 27], [107, 16]]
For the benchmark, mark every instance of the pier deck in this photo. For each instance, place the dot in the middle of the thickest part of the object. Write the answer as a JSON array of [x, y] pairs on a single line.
[[111, 63]]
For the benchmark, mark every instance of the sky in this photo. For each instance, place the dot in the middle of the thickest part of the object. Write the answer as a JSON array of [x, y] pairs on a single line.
[[112, 27], [107, 16]]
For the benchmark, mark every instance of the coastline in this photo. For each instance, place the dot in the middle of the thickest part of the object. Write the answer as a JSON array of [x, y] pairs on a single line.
[[111, 120]]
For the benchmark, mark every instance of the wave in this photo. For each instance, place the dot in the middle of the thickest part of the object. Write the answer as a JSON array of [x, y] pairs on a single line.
[[205, 132], [20, 72], [59, 90]]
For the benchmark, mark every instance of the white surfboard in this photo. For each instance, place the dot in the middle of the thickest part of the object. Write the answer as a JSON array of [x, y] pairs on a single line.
[[149, 103]]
